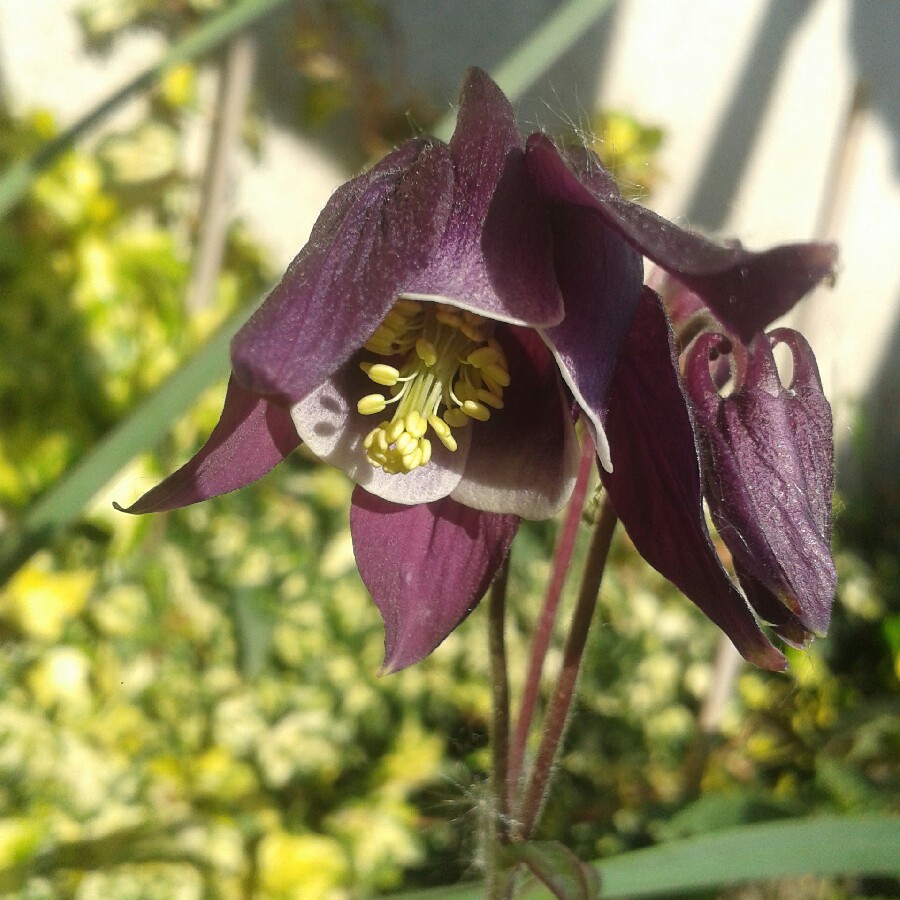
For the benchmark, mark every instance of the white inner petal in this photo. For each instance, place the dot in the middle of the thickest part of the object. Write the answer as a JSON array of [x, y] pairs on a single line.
[[328, 423]]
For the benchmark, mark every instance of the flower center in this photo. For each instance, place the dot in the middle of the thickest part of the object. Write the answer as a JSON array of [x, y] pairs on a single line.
[[445, 369]]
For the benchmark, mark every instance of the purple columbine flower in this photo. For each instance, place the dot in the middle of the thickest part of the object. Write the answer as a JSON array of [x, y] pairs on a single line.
[[402, 345], [456, 307], [658, 437], [768, 469]]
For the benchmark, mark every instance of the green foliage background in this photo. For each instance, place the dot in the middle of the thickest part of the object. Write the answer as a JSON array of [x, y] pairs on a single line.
[[189, 702]]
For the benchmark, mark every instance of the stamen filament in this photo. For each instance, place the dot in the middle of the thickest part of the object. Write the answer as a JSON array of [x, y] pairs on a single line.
[[451, 360]]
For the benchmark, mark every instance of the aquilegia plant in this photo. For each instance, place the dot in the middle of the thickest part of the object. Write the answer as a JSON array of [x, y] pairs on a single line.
[[458, 308]]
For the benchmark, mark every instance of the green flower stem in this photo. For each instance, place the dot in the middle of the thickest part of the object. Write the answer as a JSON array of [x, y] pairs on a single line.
[[18, 178], [543, 631], [498, 817], [558, 709]]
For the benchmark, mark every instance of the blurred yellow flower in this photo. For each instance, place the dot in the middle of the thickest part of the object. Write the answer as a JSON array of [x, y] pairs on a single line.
[[301, 867], [40, 603], [19, 838], [61, 677]]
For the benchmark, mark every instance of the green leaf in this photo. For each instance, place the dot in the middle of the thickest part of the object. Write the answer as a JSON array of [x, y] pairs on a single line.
[[557, 867], [64, 502], [859, 845], [16, 181]]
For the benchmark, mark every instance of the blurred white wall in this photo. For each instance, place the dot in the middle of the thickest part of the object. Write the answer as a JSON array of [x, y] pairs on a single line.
[[813, 169], [755, 97]]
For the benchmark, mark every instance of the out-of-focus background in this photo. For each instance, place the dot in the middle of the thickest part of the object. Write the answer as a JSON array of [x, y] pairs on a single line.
[[188, 702]]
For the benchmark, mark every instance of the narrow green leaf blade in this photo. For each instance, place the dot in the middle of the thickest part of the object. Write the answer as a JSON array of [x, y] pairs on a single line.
[[827, 847], [538, 52], [64, 502]]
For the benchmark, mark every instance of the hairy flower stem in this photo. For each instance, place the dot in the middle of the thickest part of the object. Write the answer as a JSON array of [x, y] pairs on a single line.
[[558, 709], [498, 820], [562, 556]]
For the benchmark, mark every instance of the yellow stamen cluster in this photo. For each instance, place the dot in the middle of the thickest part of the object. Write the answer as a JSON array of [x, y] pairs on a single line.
[[440, 357]]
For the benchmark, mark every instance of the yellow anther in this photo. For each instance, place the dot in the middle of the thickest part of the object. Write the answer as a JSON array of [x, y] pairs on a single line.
[[489, 398], [452, 372], [408, 307], [393, 430], [456, 418], [397, 319], [416, 425], [445, 436], [483, 356], [405, 442], [497, 374], [473, 332], [476, 410], [371, 404], [426, 351], [412, 460], [381, 373], [448, 316], [439, 426]]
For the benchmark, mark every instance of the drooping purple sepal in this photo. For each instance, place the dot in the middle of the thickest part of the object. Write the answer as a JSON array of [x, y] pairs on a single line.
[[655, 486], [426, 567], [600, 279], [251, 437], [746, 290], [769, 476], [496, 254], [377, 233]]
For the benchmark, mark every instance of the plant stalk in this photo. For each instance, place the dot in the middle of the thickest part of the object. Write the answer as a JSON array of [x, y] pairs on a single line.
[[498, 816], [561, 701], [543, 631]]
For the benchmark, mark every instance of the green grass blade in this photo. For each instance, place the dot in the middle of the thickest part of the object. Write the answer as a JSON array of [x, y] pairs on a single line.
[[16, 180], [140, 431], [859, 845], [538, 52]]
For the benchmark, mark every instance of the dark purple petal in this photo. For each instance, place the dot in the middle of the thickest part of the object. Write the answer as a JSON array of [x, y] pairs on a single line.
[[770, 609], [495, 257], [377, 233], [330, 426], [769, 458], [251, 437], [524, 459], [655, 485], [484, 136], [745, 290], [600, 278], [425, 566]]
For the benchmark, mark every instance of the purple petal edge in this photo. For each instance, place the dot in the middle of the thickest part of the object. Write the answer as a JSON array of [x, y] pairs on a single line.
[[425, 566], [251, 438], [377, 233], [655, 486], [746, 290]]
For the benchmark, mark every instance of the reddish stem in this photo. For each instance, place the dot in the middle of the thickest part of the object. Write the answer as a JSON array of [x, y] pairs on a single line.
[[540, 641], [558, 709]]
